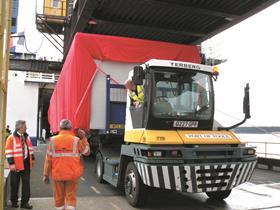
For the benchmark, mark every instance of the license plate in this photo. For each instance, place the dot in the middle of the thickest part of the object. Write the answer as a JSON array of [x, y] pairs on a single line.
[[116, 126], [185, 124]]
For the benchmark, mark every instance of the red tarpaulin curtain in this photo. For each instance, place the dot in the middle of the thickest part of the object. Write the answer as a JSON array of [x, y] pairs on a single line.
[[72, 96]]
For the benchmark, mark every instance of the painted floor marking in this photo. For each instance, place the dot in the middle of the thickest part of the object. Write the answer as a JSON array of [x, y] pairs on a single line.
[[95, 190]]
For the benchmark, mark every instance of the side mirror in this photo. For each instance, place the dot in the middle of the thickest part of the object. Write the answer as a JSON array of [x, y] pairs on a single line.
[[138, 75], [246, 102], [246, 109]]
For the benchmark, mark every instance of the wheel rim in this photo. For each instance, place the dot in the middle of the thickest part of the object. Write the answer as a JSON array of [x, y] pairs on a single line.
[[99, 168], [130, 184]]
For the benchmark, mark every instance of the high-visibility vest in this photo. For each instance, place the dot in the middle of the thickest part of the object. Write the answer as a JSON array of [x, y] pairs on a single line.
[[66, 161], [14, 149], [140, 94]]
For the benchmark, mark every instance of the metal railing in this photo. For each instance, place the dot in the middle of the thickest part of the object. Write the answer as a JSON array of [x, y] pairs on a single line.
[[266, 149], [41, 77]]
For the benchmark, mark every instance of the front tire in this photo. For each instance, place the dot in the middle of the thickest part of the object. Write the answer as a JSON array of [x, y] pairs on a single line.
[[99, 168], [219, 195], [135, 190]]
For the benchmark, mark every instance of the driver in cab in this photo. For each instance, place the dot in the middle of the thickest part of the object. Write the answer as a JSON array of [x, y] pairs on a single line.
[[136, 93]]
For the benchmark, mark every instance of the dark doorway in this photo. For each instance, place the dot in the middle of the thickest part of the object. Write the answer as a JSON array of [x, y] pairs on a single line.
[[45, 94]]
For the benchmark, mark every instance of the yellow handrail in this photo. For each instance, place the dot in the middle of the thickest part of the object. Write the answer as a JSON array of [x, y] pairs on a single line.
[[5, 30]]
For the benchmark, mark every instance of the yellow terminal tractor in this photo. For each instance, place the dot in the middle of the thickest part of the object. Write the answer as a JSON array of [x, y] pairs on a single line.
[[171, 141]]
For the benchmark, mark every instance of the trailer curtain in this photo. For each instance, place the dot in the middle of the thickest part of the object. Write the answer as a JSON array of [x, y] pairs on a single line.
[[71, 97]]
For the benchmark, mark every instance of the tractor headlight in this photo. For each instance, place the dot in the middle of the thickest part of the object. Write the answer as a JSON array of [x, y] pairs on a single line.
[[250, 151], [175, 153], [162, 153], [151, 153]]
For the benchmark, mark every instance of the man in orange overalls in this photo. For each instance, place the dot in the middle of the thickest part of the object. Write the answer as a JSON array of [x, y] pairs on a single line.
[[63, 164]]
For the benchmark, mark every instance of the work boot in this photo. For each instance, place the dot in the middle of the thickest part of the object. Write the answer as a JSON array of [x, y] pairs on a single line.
[[15, 205], [26, 206]]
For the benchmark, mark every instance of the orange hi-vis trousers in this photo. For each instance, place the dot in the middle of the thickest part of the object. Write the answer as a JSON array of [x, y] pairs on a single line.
[[65, 194]]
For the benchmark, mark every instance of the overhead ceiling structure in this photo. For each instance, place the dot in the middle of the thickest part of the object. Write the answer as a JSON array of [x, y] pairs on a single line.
[[178, 21]]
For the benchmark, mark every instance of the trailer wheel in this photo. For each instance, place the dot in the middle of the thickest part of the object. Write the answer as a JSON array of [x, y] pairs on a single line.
[[135, 190], [219, 195], [99, 168]]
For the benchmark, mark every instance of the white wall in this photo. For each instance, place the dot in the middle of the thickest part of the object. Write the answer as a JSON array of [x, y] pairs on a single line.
[[22, 102]]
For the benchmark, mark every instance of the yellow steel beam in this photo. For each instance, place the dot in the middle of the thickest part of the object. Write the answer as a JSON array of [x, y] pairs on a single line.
[[5, 30]]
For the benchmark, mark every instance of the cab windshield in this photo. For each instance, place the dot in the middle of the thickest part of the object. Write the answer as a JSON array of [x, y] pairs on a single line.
[[185, 94]]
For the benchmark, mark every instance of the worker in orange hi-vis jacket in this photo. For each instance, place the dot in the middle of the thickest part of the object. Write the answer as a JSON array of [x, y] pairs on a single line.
[[64, 165], [20, 156]]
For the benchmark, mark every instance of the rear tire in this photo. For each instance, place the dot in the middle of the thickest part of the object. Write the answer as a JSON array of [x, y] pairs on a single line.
[[219, 195], [99, 168], [135, 190]]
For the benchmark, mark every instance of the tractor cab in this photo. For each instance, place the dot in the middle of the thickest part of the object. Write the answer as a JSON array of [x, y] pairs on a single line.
[[177, 95]]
